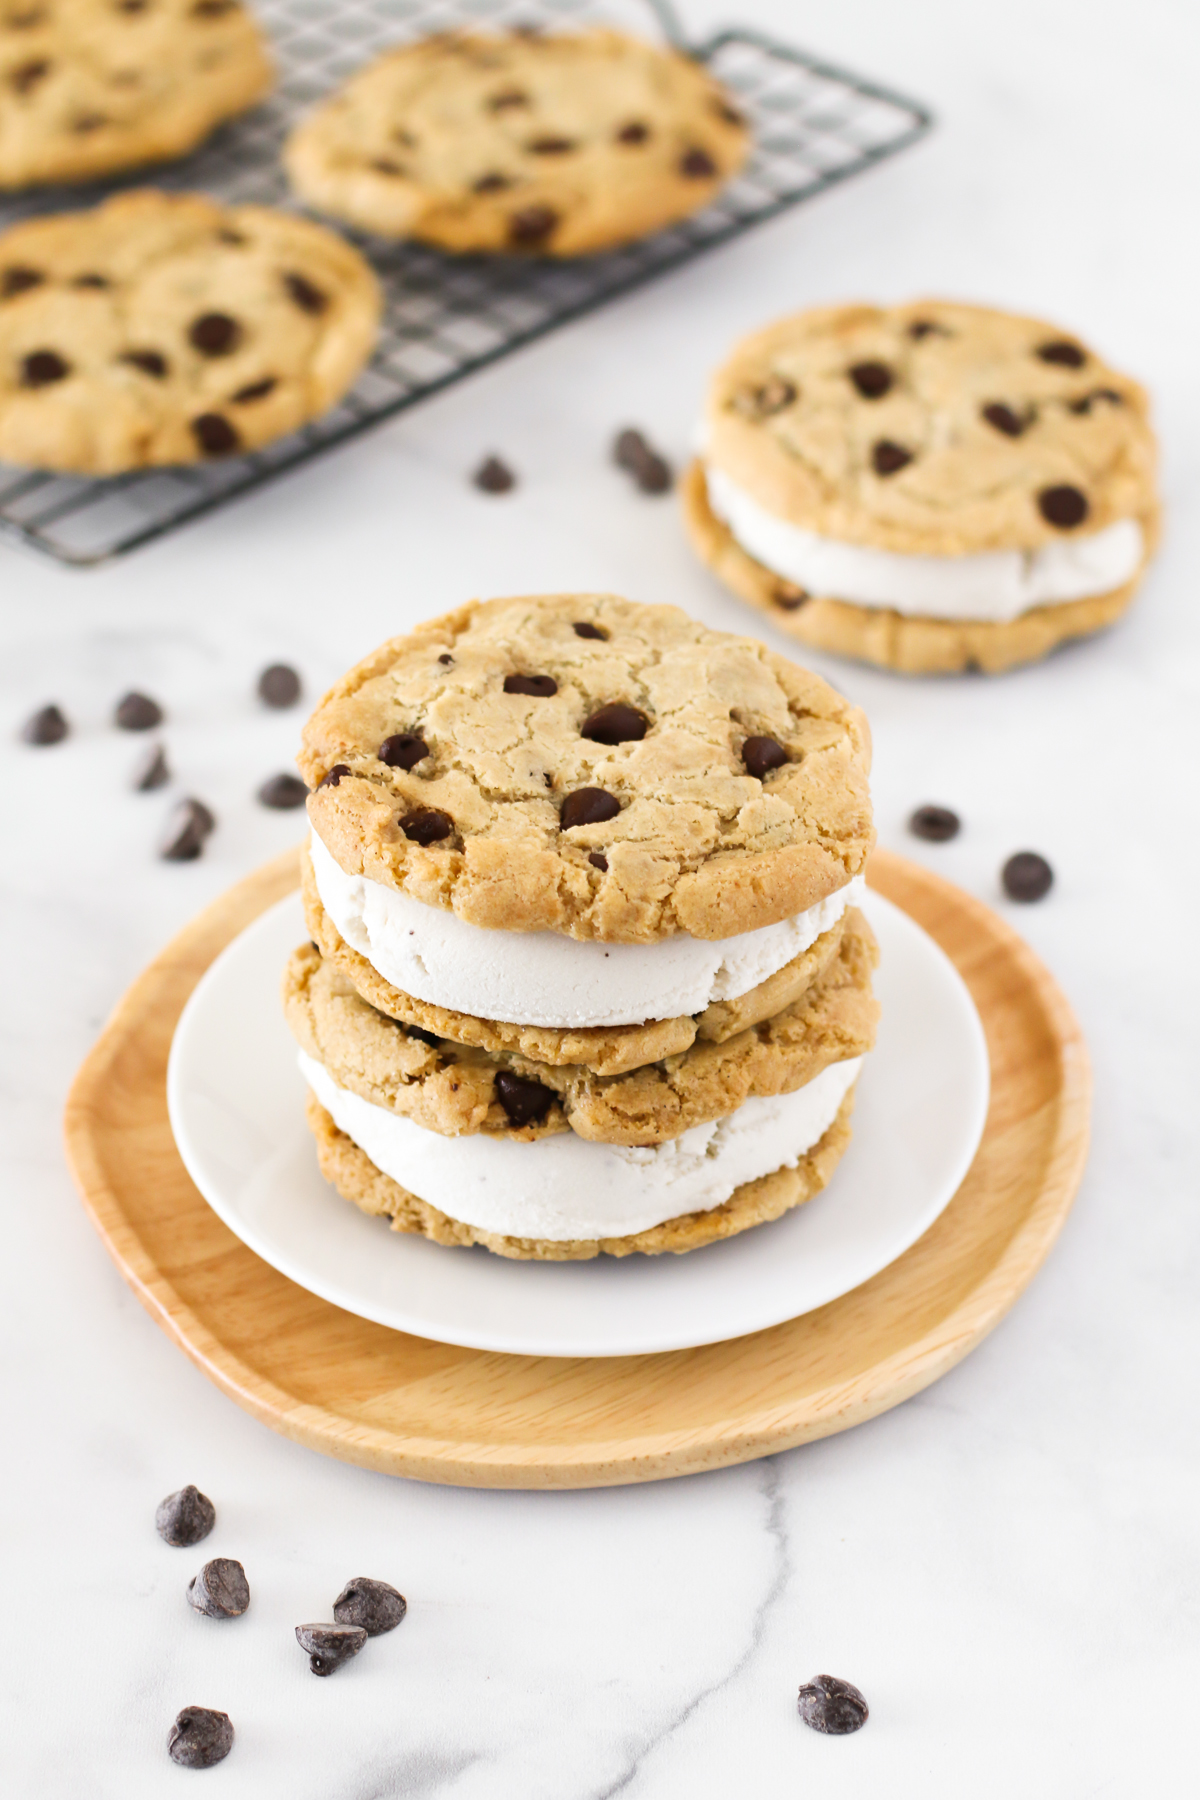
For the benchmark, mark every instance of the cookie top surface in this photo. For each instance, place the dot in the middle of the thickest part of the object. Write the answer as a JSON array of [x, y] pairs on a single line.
[[164, 328], [583, 764], [90, 86], [932, 428], [552, 145]]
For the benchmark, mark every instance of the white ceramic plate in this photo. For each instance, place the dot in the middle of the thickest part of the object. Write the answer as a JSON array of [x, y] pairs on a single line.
[[236, 1100]]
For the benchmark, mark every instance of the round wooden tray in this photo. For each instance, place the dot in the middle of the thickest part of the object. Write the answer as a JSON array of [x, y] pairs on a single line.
[[369, 1395]]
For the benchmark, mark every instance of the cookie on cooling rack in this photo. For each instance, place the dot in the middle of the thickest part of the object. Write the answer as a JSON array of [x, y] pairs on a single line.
[[167, 329], [931, 487], [91, 86], [556, 145]]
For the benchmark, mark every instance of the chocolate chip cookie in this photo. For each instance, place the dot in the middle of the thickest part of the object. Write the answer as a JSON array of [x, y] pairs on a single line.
[[168, 329], [522, 143]]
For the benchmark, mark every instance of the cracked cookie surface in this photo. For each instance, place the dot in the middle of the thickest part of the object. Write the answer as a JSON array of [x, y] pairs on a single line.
[[162, 329], [583, 764], [555, 145], [91, 86]]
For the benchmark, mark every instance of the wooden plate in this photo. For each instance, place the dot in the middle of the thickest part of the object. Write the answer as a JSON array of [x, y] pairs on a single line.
[[477, 1419]]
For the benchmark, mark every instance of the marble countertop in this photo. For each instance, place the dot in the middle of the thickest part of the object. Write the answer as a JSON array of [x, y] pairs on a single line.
[[1007, 1565]]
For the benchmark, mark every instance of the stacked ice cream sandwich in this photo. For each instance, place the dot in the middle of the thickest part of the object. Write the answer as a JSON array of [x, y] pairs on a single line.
[[586, 972]]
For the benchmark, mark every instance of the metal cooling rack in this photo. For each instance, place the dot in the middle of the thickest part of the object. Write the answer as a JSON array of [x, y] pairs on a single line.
[[446, 316]]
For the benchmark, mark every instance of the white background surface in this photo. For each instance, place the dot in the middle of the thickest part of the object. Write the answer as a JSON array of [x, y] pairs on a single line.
[[1007, 1565]]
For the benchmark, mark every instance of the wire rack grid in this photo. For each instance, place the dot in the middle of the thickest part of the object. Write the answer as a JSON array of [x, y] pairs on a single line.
[[447, 316]]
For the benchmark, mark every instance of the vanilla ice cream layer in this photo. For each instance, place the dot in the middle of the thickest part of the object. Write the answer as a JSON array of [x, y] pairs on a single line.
[[562, 1187], [995, 586], [543, 978]]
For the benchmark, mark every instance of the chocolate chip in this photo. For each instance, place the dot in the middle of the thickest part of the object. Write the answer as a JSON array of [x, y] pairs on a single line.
[[427, 826], [650, 471], [308, 297], [18, 280], [282, 792], [433, 1040], [445, 659], [633, 133], [588, 806], [279, 686], [541, 687], [374, 1605], [200, 1737], [615, 723], [509, 98], [887, 457], [1063, 506], [150, 362], [551, 146], [923, 328], [598, 860], [1005, 419], [189, 825], [255, 390], [27, 75], [491, 183], [761, 755], [215, 334], [91, 281], [334, 775], [937, 824], [872, 379], [788, 596], [525, 1102], [403, 751], [697, 165], [220, 1590], [494, 477], [1087, 401], [46, 726], [1061, 351], [585, 629], [532, 226], [329, 1646], [185, 1517], [152, 771], [833, 1706], [1027, 876], [137, 712], [215, 435], [41, 367]]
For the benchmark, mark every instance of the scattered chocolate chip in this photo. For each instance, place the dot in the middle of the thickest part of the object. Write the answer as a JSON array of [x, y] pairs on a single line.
[[1087, 401], [150, 362], [697, 165], [1027, 876], [494, 477], [91, 281], [282, 792], [491, 183], [650, 471], [937, 824], [200, 1737], [27, 75], [220, 1590], [279, 686], [1063, 506], [433, 1040], [588, 806], [427, 826], [137, 712], [1068, 355], [633, 133], [598, 860], [445, 659], [887, 457], [923, 328], [18, 280], [770, 397], [532, 226], [761, 755], [185, 1517], [215, 435], [585, 629], [1005, 419], [334, 775], [152, 770], [215, 334], [788, 596], [525, 1102], [551, 146], [329, 1646], [872, 379], [374, 1605], [46, 726], [189, 825], [308, 297], [833, 1706], [41, 367], [403, 751], [615, 723], [541, 687], [509, 98], [255, 390]]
